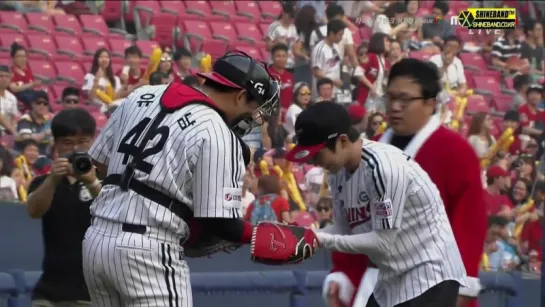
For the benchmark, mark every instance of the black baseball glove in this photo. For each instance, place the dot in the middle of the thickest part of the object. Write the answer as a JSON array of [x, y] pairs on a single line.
[[204, 244]]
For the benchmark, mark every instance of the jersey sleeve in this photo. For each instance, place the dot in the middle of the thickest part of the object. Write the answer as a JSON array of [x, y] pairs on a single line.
[[105, 142], [387, 186], [218, 173]]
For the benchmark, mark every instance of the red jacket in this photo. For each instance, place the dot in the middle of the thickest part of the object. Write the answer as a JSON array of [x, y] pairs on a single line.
[[371, 69], [454, 167]]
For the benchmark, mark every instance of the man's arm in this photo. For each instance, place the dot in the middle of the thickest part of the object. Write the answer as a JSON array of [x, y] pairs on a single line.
[[40, 195]]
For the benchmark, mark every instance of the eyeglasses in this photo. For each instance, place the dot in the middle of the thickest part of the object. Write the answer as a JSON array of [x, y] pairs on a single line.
[[71, 101], [324, 209], [304, 93], [403, 100]]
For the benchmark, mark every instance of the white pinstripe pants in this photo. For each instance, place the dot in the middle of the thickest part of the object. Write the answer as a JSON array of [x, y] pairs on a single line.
[[132, 270]]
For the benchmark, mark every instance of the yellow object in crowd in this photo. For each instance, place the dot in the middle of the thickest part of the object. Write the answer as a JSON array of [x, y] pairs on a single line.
[[485, 263], [23, 195], [293, 190], [278, 171], [502, 142], [154, 61], [324, 189], [527, 207], [105, 98], [206, 63], [264, 167], [109, 90], [460, 104], [22, 164], [381, 128]]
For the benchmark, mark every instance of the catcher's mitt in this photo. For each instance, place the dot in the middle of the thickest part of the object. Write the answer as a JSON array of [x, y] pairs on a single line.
[[203, 244]]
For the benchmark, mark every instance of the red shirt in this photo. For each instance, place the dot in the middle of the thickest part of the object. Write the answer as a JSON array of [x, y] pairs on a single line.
[[516, 146], [132, 80], [21, 77], [286, 81], [495, 203], [279, 205], [528, 118], [179, 77], [532, 234]]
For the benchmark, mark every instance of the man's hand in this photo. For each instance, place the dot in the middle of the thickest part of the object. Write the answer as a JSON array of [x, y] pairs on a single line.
[[60, 168], [333, 299], [87, 178]]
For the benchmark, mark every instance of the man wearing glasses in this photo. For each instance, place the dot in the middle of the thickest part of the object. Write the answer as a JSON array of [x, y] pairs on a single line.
[[448, 159], [70, 97], [35, 124]]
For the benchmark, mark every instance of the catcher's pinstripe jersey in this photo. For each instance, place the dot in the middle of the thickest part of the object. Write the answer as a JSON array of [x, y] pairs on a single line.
[[194, 157], [391, 191]]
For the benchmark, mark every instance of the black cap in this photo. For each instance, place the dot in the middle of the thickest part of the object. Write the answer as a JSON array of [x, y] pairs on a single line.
[[41, 95], [511, 116], [315, 126]]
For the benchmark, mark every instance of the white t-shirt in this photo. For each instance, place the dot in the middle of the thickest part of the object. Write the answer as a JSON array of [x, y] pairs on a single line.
[[291, 115], [346, 40], [8, 183], [276, 29], [89, 79], [8, 106], [328, 59], [248, 198], [454, 75], [381, 24]]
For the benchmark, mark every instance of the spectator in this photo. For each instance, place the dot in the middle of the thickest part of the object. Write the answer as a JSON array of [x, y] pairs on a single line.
[[278, 135], [305, 23], [531, 51], [325, 90], [301, 99], [269, 205], [530, 115], [30, 153], [131, 74], [35, 124], [22, 83], [8, 102], [501, 254], [506, 51], [283, 31], [166, 67], [61, 200], [314, 180], [324, 207], [479, 136], [279, 56], [8, 186], [70, 97], [498, 183], [435, 32], [511, 120], [47, 6], [101, 77], [373, 73], [414, 24], [396, 53], [345, 47], [318, 6], [192, 81], [450, 66], [373, 123], [520, 193], [521, 82], [526, 166], [357, 116], [326, 61], [248, 186], [392, 16], [182, 64], [158, 78]]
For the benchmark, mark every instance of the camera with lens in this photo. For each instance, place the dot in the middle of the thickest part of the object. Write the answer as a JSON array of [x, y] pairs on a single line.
[[81, 162]]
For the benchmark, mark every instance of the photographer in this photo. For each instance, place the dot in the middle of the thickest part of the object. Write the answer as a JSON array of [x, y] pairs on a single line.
[[62, 199]]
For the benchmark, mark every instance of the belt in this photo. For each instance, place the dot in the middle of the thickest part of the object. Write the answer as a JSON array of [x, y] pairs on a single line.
[[177, 207], [140, 229]]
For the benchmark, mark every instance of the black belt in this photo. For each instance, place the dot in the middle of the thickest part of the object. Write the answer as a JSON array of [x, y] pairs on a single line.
[[140, 229], [177, 207]]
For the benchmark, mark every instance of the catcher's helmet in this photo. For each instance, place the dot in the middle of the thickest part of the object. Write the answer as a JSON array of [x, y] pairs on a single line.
[[238, 70]]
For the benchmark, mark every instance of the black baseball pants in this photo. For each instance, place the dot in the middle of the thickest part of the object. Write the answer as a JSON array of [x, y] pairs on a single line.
[[444, 294]]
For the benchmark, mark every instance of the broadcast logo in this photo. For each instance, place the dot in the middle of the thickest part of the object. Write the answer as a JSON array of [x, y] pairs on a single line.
[[486, 20]]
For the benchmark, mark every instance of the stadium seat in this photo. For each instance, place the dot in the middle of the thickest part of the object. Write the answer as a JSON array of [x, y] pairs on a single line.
[[25, 281], [112, 11], [215, 48], [365, 33], [423, 56], [165, 28], [173, 7], [10, 38], [129, 12], [43, 70], [92, 44], [69, 71], [42, 44], [270, 10], [473, 61], [147, 47], [144, 11], [469, 78], [249, 9], [250, 50], [118, 46], [249, 32], [100, 119], [491, 73], [502, 103], [223, 31], [223, 8], [40, 22], [57, 88], [196, 32], [356, 37], [201, 8], [67, 24], [487, 85], [69, 45], [8, 288], [13, 20], [476, 104], [509, 83], [94, 24], [264, 27]]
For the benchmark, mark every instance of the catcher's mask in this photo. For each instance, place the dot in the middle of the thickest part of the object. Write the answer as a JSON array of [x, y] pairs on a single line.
[[238, 70]]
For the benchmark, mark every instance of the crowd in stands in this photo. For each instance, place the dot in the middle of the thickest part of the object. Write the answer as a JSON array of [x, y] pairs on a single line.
[[321, 51]]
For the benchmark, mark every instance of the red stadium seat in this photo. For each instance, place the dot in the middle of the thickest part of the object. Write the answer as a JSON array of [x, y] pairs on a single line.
[[502, 103], [249, 32], [473, 61], [118, 46], [223, 31], [40, 22], [70, 71], [173, 7], [92, 44], [10, 38], [68, 24], [164, 24], [224, 8], [201, 8], [487, 85], [215, 48], [356, 37], [509, 83], [42, 44], [147, 47], [476, 104], [144, 11], [270, 10], [491, 73], [69, 45], [100, 119], [249, 9], [469, 78], [112, 11], [264, 27], [250, 50], [196, 32], [94, 24], [43, 70], [423, 56], [57, 88], [13, 20]]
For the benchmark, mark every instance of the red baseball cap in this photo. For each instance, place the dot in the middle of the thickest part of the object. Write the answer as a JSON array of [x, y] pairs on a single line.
[[315, 126], [356, 112], [496, 171]]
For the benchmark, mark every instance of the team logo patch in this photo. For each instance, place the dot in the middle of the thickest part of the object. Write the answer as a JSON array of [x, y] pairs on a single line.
[[232, 198], [302, 154], [363, 197], [382, 215]]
